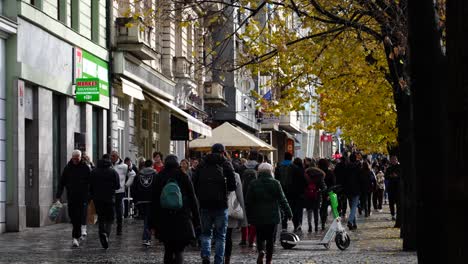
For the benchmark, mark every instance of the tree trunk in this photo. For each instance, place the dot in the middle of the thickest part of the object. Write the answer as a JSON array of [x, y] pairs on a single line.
[[441, 130]]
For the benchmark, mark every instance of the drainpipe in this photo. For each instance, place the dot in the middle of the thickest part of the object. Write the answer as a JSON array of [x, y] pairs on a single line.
[[110, 24]]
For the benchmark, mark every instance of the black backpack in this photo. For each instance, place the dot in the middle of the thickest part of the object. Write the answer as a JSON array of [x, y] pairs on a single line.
[[211, 186], [285, 174]]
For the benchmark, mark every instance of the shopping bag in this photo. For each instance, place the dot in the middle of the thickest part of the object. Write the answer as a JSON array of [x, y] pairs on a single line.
[[234, 208], [54, 211], [91, 215]]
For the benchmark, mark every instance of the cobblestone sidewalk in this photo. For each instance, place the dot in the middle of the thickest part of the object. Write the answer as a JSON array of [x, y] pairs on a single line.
[[375, 241]]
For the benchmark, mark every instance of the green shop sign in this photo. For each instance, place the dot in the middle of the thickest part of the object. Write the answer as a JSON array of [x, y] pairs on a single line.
[[89, 67], [87, 89]]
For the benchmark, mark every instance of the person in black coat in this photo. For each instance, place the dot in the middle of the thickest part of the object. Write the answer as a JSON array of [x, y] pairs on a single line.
[[330, 181], [175, 228], [75, 178], [352, 188], [340, 175], [104, 181], [143, 195]]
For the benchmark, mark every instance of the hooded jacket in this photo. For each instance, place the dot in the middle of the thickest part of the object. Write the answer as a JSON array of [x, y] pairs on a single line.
[[265, 198], [144, 183], [122, 169], [104, 182], [248, 174], [75, 178], [228, 173]]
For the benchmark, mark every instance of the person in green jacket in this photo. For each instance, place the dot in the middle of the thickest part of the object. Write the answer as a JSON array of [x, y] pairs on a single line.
[[264, 199]]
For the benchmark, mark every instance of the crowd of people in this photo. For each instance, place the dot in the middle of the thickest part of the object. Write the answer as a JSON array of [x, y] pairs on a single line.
[[203, 202]]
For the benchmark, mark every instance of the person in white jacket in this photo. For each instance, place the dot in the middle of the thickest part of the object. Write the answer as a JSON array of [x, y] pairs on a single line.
[[124, 173]]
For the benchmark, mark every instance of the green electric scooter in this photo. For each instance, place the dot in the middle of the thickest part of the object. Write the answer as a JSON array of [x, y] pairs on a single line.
[[335, 231]]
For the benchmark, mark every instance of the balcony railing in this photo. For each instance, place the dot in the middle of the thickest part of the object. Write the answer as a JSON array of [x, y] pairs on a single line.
[[214, 94], [183, 68], [290, 122], [135, 37]]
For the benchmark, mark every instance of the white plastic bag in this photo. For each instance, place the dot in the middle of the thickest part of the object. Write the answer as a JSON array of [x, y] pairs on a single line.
[[54, 211], [234, 208]]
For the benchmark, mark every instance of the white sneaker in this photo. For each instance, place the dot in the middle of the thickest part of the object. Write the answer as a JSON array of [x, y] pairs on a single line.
[[75, 243], [147, 243], [83, 230]]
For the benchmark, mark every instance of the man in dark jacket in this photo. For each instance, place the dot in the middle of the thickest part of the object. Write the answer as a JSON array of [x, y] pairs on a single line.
[[340, 173], [75, 178], [104, 182], [144, 185], [213, 181], [352, 188], [293, 183], [392, 174]]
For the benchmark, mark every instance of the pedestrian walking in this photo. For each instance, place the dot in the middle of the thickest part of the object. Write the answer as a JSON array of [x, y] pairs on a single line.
[[393, 175], [377, 197], [75, 179], [330, 181], [158, 164], [213, 180], [185, 167], [315, 179], [235, 222], [126, 177], [104, 181], [84, 217], [144, 185], [175, 212], [367, 187], [340, 172], [248, 173], [293, 183], [352, 188], [265, 199]]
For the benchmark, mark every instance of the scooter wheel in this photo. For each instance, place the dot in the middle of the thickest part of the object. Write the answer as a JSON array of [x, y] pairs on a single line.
[[342, 241], [287, 246]]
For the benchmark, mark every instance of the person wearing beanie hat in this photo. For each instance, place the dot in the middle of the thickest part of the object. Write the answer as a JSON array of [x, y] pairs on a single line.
[[213, 181], [264, 199], [174, 227]]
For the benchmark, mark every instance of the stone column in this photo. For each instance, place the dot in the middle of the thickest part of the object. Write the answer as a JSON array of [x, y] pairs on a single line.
[[15, 206], [45, 150]]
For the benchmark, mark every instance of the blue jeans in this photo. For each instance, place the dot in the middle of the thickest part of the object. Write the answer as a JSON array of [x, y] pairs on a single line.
[[219, 219], [353, 203], [146, 211]]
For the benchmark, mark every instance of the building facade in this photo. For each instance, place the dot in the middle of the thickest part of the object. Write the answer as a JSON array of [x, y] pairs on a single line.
[[57, 42], [157, 79], [8, 30]]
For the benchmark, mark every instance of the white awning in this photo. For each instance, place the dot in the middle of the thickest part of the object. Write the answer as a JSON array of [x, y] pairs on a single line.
[[233, 138], [193, 123], [132, 89]]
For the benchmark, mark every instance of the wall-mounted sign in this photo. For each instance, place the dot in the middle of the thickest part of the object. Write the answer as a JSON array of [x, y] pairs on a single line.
[[265, 136], [326, 138], [270, 118], [87, 89], [88, 66]]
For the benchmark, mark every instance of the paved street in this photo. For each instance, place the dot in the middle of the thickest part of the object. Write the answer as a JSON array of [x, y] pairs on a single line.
[[375, 241]]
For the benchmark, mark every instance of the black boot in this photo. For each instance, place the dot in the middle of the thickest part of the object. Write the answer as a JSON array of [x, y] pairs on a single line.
[[310, 228], [119, 229]]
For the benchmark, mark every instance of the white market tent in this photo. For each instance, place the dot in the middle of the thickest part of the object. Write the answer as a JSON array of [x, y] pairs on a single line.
[[232, 137]]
